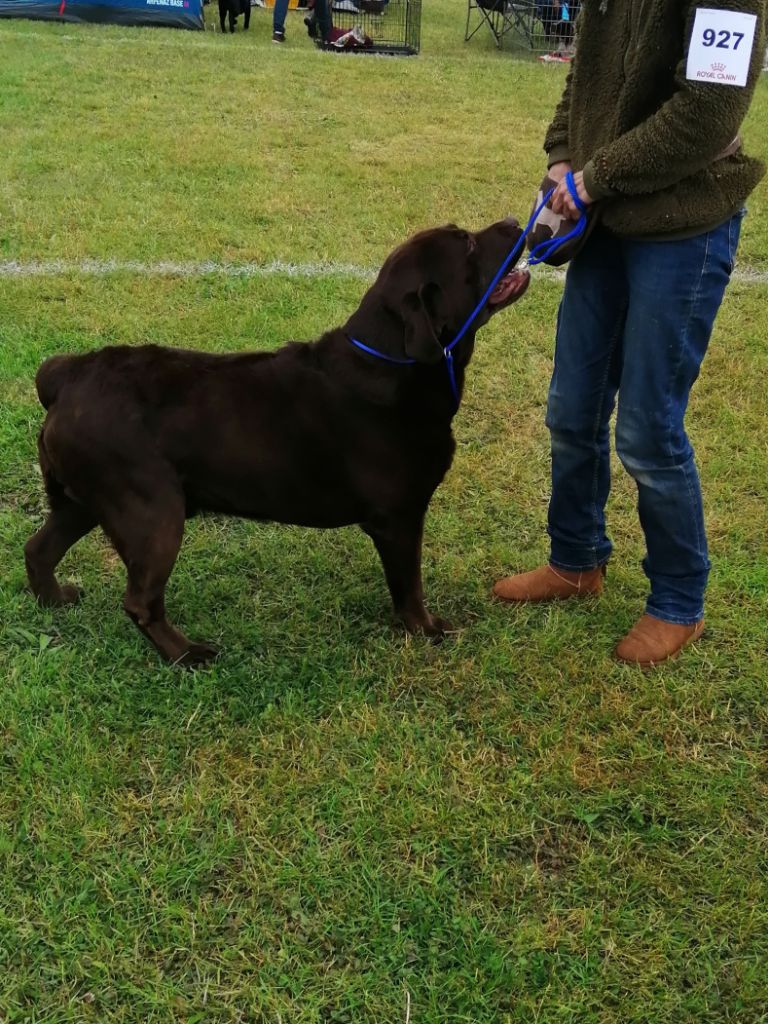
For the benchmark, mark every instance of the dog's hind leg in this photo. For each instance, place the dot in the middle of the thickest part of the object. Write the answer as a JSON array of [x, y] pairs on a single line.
[[246, 15], [66, 524], [147, 533], [398, 542]]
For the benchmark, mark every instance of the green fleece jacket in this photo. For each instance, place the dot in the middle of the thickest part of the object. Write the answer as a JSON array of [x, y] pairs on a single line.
[[645, 136]]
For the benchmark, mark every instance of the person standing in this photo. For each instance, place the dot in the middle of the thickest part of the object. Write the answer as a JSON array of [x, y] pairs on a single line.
[[279, 14], [319, 20], [649, 123]]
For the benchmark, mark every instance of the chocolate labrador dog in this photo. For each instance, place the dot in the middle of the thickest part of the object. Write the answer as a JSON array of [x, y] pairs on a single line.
[[233, 9], [321, 434]]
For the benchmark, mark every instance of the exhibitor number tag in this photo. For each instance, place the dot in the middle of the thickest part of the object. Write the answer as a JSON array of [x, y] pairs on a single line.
[[721, 46]]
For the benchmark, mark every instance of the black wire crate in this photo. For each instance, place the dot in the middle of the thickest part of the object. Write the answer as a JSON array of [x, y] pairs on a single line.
[[388, 26]]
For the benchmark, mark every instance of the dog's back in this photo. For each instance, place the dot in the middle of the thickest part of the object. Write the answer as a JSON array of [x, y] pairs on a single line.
[[52, 376]]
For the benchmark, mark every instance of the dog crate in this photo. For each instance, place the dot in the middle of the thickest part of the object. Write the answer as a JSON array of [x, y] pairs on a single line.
[[393, 27]]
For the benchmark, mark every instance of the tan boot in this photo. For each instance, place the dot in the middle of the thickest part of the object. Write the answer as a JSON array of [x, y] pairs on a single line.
[[652, 641], [550, 584]]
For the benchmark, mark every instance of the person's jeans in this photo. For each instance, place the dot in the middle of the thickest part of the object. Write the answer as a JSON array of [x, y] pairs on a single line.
[[279, 15], [322, 13], [635, 320]]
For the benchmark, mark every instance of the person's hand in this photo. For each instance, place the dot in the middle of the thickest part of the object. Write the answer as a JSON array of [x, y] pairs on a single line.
[[562, 200], [559, 170]]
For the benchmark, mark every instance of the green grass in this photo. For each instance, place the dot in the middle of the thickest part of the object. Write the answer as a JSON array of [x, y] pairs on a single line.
[[337, 822]]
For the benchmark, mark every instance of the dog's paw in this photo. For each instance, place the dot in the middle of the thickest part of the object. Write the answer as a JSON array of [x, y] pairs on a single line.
[[428, 625], [436, 629], [198, 655], [61, 597]]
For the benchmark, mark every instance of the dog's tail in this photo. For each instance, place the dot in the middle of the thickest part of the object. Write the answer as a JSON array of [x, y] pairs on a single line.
[[51, 377]]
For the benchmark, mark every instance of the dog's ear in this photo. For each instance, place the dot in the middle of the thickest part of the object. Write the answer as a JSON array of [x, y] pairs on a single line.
[[422, 330]]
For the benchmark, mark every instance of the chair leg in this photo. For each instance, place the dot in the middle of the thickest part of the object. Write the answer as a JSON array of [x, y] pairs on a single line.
[[491, 21]]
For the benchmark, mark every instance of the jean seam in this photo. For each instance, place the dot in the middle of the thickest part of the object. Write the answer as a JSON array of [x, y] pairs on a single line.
[[733, 249], [731, 253], [694, 300], [596, 427]]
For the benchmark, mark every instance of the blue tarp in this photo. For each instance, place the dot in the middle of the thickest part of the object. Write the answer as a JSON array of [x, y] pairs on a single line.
[[175, 13]]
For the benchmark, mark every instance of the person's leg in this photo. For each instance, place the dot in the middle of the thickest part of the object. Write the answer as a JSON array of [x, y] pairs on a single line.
[[676, 289], [581, 397], [323, 18], [278, 17]]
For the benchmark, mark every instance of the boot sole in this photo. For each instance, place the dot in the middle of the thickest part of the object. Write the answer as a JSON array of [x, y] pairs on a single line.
[[579, 594]]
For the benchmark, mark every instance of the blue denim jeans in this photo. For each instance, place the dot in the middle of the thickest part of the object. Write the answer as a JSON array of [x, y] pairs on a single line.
[[322, 13], [634, 322], [279, 15]]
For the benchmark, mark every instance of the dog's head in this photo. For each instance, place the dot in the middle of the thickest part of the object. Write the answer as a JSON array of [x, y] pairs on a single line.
[[432, 283]]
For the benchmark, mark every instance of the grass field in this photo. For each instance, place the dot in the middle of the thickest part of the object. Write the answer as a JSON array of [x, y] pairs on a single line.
[[336, 823]]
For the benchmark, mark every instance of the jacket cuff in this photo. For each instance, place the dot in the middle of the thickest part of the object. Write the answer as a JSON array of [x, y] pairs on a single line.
[[557, 155], [594, 188]]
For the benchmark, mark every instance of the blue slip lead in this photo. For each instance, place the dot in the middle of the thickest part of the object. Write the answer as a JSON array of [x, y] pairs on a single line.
[[538, 254]]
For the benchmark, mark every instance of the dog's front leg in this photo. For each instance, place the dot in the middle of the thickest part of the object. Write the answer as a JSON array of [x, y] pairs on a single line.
[[398, 542]]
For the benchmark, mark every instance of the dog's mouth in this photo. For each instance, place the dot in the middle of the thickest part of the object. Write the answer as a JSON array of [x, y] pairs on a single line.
[[509, 289]]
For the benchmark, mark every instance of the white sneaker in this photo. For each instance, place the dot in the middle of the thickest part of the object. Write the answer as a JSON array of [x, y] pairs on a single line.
[[345, 5]]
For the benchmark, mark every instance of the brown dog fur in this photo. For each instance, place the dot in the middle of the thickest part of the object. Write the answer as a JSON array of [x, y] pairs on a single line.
[[320, 434]]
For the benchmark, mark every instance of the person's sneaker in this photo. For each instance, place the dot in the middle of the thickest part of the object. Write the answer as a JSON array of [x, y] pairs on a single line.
[[345, 5], [652, 641], [278, 37], [548, 583]]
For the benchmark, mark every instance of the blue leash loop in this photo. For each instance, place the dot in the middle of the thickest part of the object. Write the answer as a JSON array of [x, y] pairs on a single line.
[[381, 355], [539, 254]]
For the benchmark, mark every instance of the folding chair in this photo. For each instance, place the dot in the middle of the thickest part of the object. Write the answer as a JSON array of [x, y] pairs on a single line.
[[492, 13], [536, 24]]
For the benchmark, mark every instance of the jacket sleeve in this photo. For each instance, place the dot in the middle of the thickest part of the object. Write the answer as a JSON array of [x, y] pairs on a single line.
[[556, 143], [685, 135]]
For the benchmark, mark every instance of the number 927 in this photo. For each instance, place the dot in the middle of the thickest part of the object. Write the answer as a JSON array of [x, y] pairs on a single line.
[[722, 40]]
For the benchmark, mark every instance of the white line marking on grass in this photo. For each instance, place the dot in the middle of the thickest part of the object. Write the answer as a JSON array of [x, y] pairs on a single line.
[[89, 36], [748, 275], [170, 268], [275, 268]]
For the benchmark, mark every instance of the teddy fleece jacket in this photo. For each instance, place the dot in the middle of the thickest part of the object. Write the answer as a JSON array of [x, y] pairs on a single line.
[[648, 139]]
